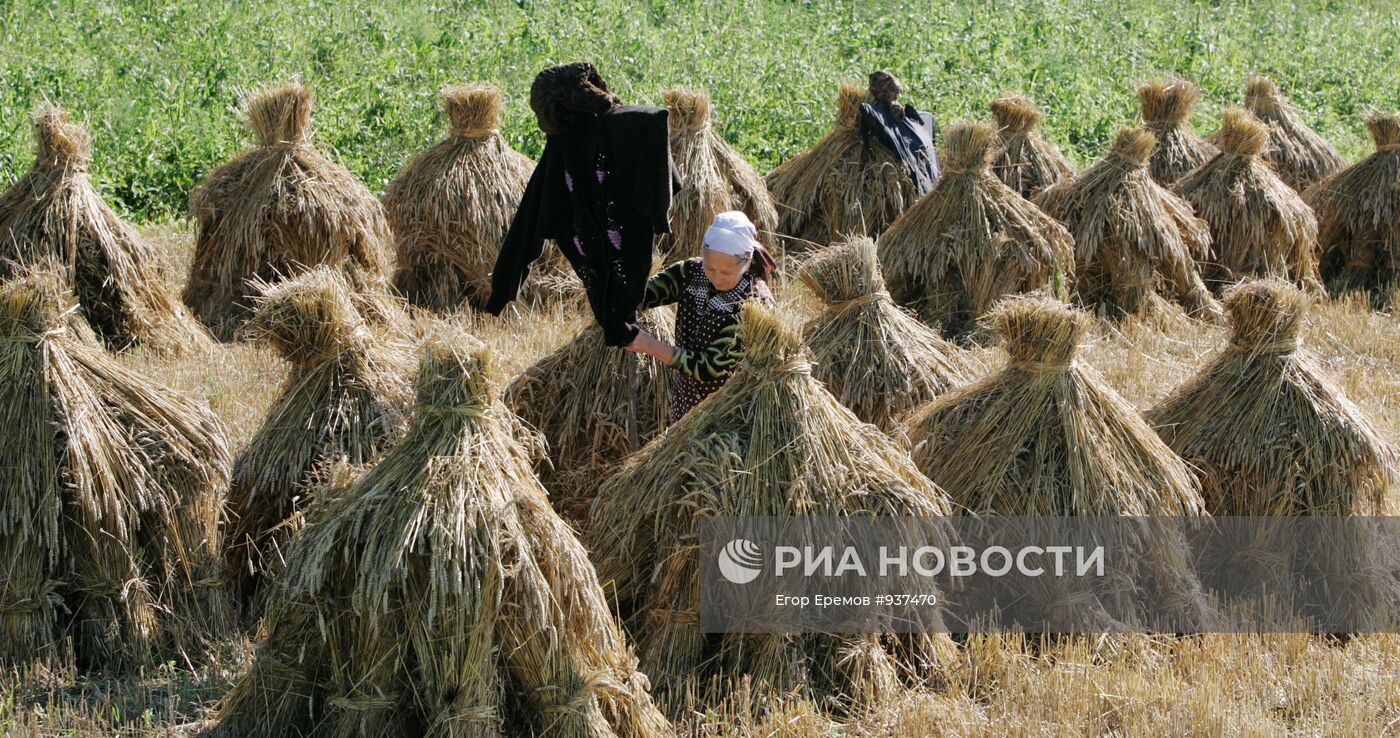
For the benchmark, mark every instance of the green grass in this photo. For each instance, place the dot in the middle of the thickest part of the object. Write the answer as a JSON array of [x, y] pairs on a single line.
[[158, 82]]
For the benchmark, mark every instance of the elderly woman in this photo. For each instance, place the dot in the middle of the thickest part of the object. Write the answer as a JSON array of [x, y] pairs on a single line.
[[708, 291]]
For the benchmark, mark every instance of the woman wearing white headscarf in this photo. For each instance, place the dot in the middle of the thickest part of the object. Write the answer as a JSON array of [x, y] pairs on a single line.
[[708, 291]]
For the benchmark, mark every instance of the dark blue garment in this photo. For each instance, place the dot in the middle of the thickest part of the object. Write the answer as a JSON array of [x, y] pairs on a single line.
[[911, 139]]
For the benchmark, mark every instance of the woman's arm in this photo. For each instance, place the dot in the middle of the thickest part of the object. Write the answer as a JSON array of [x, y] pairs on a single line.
[[645, 343], [664, 287], [715, 361]]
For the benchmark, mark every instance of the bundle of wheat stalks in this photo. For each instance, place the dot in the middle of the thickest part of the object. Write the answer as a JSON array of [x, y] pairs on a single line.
[[1130, 233], [716, 179], [278, 209], [841, 186], [1024, 160], [345, 401], [1358, 209], [1299, 155], [1259, 227], [439, 594], [450, 207], [53, 213], [1270, 434], [1166, 112], [972, 240], [1048, 436], [770, 442], [877, 359], [580, 398], [112, 490]]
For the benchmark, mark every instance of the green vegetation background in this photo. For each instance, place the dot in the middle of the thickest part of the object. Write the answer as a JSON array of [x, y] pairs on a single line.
[[158, 82]]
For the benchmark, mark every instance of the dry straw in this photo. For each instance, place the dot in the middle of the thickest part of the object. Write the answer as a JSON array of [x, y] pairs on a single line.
[[1271, 434], [1048, 436], [439, 594], [1259, 226], [840, 187], [1130, 233], [450, 207], [345, 400], [878, 360], [1166, 112], [1297, 153], [716, 179], [278, 209], [53, 212], [578, 397], [972, 240], [1024, 160], [112, 490], [1358, 210], [771, 442]]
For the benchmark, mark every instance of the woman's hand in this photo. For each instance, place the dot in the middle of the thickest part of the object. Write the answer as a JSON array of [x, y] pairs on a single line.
[[645, 343]]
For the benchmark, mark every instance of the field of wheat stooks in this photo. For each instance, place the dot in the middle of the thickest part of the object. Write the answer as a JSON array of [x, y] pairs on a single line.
[[1208, 681], [972, 240], [54, 212], [345, 400], [440, 588], [878, 359], [281, 207], [113, 489], [551, 655]]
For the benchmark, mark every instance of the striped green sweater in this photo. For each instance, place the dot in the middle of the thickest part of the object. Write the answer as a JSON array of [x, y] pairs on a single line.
[[715, 360]]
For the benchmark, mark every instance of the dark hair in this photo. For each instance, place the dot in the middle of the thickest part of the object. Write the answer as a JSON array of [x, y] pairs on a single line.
[[566, 94], [885, 89], [762, 265]]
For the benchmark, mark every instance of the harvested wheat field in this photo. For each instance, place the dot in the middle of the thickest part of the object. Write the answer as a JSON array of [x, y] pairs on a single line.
[[390, 623], [1294, 685]]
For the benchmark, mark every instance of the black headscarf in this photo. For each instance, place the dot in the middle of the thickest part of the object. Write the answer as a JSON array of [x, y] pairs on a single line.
[[566, 94]]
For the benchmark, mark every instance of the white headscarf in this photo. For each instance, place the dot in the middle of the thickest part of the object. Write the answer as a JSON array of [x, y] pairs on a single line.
[[732, 233]]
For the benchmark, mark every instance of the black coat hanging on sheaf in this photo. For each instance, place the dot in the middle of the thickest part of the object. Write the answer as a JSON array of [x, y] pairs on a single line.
[[910, 136], [602, 191]]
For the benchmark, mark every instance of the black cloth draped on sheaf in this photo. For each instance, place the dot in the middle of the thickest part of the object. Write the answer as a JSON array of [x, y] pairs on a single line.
[[911, 137], [602, 192]]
